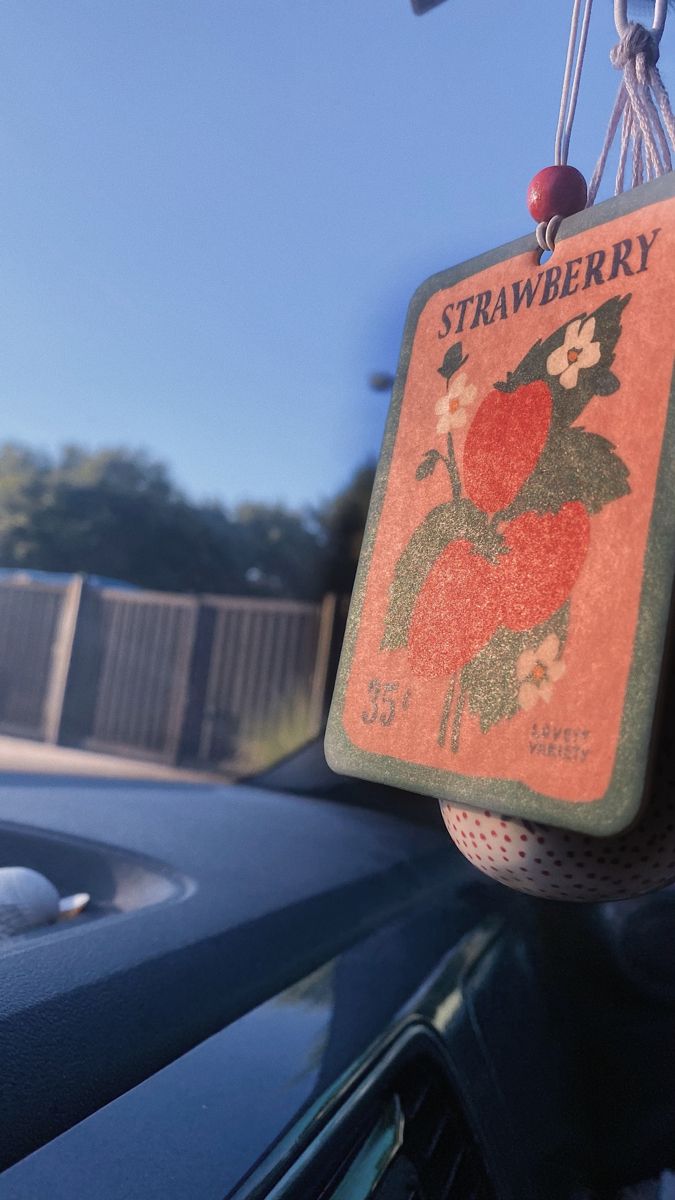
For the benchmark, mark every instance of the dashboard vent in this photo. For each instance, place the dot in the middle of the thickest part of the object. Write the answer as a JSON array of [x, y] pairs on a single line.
[[443, 1161], [401, 1136]]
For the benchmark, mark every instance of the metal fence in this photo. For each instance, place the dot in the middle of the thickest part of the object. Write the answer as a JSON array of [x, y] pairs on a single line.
[[161, 676], [29, 624], [262, 664]]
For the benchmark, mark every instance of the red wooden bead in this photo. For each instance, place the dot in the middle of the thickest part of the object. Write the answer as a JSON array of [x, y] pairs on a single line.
[[556, 192]]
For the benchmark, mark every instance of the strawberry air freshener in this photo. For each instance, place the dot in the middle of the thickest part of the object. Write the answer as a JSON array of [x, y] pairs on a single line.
[[507, 637]]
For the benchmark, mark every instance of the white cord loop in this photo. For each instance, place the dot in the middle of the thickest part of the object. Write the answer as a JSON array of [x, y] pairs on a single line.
[[642, 106], [546, 232], [621, 18]]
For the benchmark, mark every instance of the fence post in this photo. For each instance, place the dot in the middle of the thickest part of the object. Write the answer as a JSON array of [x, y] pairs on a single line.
[[317, 701], [189, 742], [180, 700], [62, 653]]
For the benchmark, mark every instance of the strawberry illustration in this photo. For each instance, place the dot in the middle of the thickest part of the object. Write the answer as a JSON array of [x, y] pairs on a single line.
[[456, 612], [481, 593], [546, 554], [465, 597], [504, 442]]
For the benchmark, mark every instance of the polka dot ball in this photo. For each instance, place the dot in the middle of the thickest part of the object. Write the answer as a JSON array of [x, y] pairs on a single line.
[[560, 865]]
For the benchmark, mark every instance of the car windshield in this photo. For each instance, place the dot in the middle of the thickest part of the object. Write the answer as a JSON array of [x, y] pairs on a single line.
[[213, 218]]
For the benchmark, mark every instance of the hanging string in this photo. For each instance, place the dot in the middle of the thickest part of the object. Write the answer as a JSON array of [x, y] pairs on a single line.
[[569, 94], [642, 106]]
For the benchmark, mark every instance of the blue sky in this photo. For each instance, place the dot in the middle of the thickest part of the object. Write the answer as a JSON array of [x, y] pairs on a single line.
[[214, 212]]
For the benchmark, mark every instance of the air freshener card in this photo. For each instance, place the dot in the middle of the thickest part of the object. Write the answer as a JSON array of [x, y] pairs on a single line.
[[506, 635]]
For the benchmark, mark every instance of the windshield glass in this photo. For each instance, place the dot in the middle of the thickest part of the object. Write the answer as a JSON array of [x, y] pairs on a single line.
[[213, 218]]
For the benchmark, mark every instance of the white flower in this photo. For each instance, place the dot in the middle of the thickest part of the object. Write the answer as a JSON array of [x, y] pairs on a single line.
[[537, 671], [578, 351], [451, 408]]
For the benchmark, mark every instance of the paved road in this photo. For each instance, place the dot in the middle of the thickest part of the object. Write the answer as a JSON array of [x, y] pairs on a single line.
[[22, 756]]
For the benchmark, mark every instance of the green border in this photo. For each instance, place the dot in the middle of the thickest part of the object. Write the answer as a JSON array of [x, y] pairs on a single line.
[[620, 805]]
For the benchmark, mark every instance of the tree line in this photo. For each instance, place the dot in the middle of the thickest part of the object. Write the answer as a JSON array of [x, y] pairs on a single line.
[[118, 513]]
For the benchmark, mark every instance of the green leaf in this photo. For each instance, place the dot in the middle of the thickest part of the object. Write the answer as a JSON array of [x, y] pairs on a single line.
[[574, 465], [490, 680], [607, 384], [531, 367], [597, 380], [428, 464], [446, 523]]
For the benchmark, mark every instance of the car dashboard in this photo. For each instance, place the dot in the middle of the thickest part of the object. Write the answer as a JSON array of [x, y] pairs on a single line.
[[284, 995]]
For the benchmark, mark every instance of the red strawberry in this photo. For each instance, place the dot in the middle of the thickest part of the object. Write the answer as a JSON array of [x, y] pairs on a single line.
[[456, 612], [504, 441], [547, 552]]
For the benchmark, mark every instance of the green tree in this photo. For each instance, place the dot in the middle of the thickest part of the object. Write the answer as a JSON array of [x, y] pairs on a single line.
[[118, 513], [342, 521], [114, 512], [280, 552]]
